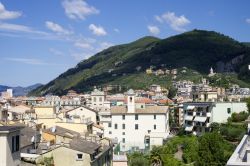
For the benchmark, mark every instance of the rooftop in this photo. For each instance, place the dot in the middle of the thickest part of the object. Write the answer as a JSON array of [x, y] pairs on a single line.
[[84, 146], [146, 110], [9, 129]]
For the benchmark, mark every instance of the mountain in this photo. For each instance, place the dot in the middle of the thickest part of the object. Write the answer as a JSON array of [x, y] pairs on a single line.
[[197, 51], [20, 91]]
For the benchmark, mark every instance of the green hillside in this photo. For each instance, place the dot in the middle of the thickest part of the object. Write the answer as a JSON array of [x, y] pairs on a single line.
[[197, 50]]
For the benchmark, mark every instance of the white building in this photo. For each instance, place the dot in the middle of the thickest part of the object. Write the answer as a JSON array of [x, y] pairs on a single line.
[[136, 126], [10, 146], [199, 115], [241, 155], [97, 98]]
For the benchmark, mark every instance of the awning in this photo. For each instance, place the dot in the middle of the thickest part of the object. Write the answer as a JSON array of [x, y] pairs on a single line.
[[190, 107], [189, 128], [200, 119], [189, 118]]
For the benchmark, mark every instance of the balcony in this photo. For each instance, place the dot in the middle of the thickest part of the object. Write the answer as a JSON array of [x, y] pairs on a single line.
[[189, 128], [188, 118]]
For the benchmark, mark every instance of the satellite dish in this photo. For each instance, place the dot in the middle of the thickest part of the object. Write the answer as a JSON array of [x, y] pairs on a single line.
[[33, 139], [53, 129]]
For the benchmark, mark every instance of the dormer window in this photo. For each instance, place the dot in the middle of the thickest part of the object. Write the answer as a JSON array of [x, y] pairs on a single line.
[[79, 156], [130, 99]]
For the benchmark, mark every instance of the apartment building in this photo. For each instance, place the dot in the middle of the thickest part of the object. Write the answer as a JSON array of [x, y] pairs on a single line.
[[199, 115]]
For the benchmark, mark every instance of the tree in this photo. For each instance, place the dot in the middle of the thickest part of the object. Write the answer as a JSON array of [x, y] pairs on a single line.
[[248, 104], [210, 150], [138, 159], [155, 156], [172, 92], [215, 127]]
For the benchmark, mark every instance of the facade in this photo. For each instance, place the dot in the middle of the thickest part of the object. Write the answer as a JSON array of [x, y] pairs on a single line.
[[81, 153], [97, 98], [148, 124], [199, 115], [82, 114], [10, 146]]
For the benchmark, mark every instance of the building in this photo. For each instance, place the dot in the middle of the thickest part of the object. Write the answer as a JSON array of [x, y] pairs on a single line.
[[10, 145], [199, 115], [81, 152], [149, 124], [120, 160], [241, 155], [97, 98]]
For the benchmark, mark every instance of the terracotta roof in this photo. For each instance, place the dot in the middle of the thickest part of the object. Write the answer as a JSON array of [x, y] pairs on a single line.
[[165, 101], [147, 110]]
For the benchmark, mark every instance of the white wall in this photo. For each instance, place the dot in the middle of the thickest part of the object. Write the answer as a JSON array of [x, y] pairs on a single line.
[[220, 114], [132, 136], [7, 158]]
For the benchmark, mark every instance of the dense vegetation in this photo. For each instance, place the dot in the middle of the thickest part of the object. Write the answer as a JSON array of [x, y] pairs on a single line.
[[209, 149], [197, 50]]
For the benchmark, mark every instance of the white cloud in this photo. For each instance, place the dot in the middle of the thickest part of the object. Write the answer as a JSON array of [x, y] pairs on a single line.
[[248, 20], [97, 30], [158, 18], [18, 28], [84, 45], [6, 15], [27, 61], [78, 9], [56, 52], [177, 23], [153, 29], [117, 30], [57, 28]]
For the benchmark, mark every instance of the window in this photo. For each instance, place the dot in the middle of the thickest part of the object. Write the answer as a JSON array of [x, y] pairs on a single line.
[[229, 110], [123, 126], [116, 126], [136, 116], [110, 132], [123, 140], [79, 156], [15, 143], [141, 106], [136, 126], [130, 99], [110, 125], [100, 99], [154, 116], [123, 117], [123, 133], [154, 127], [94, 99]]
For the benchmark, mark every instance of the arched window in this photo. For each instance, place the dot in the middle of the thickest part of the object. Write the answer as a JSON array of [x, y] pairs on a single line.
[[130, 99]]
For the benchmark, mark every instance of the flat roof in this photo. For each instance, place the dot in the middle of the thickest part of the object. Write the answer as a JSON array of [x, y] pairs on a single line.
[[9, 129]]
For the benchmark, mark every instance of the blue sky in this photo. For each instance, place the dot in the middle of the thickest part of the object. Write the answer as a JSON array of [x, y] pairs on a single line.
[[39, 39]]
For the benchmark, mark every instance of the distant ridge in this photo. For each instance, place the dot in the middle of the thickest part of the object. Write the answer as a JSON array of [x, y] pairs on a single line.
[[197, 50], [20, 91]]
